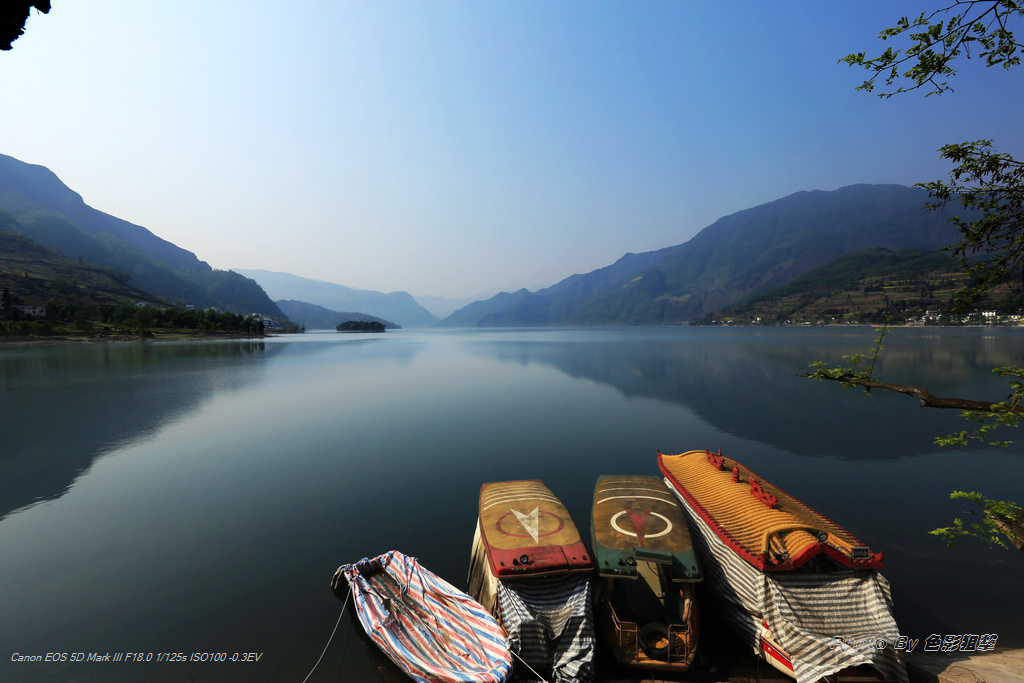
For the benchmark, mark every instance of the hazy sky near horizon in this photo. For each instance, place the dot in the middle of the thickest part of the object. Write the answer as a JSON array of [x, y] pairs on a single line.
[[460, 148]]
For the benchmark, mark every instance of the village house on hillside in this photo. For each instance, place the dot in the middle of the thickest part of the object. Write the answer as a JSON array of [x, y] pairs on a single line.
[[30, 311]]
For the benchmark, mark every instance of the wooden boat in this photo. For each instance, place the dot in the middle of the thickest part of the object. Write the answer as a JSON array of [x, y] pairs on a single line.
[[763, 524], [801, 590], [434, 632], [527, 531], [531, 569], [645, 606]]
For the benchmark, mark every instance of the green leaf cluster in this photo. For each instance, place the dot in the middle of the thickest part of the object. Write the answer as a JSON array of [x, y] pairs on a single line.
[[998, 519], [940, 37], [1002, 414], [991, 186], [991, 247], [861, 366]]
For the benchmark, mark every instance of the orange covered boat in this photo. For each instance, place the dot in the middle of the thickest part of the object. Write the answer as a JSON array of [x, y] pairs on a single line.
[[763, 524], [800, 590]]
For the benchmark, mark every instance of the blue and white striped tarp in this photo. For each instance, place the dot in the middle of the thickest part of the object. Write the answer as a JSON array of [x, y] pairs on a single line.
[[825, 621], [549, 619], [550, 625], [433, 631]]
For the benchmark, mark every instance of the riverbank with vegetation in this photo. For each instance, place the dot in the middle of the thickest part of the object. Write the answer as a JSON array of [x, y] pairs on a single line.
[[135, 323], [71, 337]]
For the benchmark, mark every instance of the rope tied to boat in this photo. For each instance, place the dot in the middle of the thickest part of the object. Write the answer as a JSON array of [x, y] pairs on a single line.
[[516, 655], [329, 639]]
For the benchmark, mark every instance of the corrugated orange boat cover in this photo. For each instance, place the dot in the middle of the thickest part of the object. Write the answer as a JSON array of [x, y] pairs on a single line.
[[763, 524]]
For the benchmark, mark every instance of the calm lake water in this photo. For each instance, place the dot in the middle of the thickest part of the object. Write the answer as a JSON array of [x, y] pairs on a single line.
[[197, 497]]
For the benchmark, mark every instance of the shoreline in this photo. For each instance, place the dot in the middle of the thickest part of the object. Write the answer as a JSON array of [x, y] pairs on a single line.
[[195, 335], [144, 337]]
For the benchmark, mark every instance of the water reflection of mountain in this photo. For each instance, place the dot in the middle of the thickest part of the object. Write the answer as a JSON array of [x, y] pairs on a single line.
[[746, 385], [64, 406]]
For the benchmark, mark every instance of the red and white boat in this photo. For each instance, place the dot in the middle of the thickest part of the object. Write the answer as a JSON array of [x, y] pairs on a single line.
[[803, 592]]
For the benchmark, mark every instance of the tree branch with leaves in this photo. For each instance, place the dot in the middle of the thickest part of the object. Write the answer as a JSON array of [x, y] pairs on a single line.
[[990, 187], [988, 415], [939, 38], [997, 517]]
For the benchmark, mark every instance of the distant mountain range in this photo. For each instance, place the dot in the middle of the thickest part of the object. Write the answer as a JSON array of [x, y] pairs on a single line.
[[442, 307], [730, 262], [397, 306], [37, 205], [733, 259], [53, 215]]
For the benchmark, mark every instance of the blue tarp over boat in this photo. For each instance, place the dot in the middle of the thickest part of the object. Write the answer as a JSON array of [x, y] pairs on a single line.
[[433, 631]]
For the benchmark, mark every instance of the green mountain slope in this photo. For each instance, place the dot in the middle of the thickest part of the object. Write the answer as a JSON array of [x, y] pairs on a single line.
[[55, 216], [769, 245], [869, 286], [479, 312], [37, 275], [734, 259], [854, 269], [25, 188], [556, 304]]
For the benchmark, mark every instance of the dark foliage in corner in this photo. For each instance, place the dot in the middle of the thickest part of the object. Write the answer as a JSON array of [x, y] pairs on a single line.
[[13, 15]]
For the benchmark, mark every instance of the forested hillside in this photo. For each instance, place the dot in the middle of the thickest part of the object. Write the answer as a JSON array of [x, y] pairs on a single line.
[[869, 286], [53, 215], [735, 258]]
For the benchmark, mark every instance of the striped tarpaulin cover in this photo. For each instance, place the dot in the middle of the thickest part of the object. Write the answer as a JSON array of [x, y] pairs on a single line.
[[805, 611], [550, 626], [433, 631]]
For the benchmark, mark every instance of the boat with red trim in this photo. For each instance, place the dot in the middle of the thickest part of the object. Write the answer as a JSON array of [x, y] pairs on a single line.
[[803, 592], [530, 567]]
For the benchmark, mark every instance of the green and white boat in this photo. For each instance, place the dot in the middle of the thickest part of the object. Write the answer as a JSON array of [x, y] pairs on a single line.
[[645, 607]]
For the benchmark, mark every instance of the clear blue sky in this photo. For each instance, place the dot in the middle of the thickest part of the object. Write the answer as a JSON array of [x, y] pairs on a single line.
[[461, 148]]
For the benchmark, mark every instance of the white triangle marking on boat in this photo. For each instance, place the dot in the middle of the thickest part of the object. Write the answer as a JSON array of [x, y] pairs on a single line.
[[530, 522]]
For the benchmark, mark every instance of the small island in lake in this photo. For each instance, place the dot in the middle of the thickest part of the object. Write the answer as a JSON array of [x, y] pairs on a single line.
[[360, 326]]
